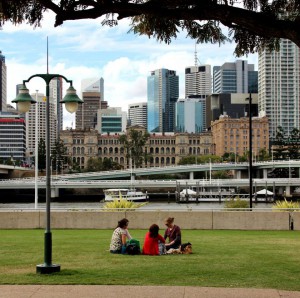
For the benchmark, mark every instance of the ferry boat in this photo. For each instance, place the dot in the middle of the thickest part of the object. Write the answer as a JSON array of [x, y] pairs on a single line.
[[124, 193]]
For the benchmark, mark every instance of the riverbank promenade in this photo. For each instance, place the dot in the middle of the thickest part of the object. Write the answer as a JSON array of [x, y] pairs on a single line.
[[91, 291]]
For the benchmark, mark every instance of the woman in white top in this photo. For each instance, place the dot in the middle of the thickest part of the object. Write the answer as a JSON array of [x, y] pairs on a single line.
[[119, 237]]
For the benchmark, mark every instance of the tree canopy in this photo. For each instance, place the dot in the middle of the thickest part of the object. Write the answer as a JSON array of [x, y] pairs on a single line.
[[252, 24]]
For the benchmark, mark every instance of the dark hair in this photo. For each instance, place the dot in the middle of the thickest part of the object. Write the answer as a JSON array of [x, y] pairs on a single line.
[[123, 223], [154, 230]]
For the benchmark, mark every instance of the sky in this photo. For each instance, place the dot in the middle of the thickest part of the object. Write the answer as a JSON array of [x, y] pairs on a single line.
[[85, 49]]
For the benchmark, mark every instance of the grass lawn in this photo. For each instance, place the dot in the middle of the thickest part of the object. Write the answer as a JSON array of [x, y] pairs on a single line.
[[257, 259]]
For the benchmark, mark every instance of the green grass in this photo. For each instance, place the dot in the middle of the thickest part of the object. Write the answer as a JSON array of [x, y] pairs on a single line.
[[257, 259]]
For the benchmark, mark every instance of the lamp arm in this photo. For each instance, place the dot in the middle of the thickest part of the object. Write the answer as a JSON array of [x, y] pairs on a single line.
[[47, 78]]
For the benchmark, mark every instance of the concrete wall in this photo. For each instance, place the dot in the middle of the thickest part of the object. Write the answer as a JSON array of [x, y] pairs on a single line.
[[204, 220]]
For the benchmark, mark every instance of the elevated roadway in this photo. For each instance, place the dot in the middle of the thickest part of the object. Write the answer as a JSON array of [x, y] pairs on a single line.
[[181, 169]]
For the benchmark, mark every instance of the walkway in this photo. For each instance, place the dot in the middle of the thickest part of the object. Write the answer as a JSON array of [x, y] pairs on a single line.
[[91, 291]]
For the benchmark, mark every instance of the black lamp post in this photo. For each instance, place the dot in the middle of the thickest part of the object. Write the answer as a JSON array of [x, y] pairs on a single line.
[[250, 150], [23, 101]]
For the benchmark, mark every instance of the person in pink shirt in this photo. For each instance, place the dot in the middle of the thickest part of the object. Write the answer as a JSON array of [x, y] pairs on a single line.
[[154, 242]]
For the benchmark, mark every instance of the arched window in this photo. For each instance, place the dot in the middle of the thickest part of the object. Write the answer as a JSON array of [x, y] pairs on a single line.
[[173, 160], [82, 160], [168, 160], [167, 150], [151, 150], [99, 151], [156, 160], [157, 150], [116, 150], [111, 150], [78, 150], [190, 150], [104, 150], [82, 150], [162, 150], [173, 150], [122, 160], [74, 150], [117, 159], [162, 160]]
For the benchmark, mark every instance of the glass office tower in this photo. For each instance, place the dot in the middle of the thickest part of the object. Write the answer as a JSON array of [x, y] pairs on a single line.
[[162, 94]]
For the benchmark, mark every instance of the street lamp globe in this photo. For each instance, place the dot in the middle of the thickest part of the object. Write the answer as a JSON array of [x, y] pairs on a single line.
[[23, 100], [71, 100]]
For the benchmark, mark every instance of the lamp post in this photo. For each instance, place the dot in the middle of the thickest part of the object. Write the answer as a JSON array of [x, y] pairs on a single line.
[[36, 160], [250, 150], [23, 101]]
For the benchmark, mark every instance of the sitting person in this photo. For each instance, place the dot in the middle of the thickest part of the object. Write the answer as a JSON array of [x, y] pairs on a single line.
[[172, 232], [154, 242], [119, 237]]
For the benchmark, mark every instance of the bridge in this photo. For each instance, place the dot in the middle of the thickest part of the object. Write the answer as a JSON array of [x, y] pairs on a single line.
[[206, 167], [107, 179]]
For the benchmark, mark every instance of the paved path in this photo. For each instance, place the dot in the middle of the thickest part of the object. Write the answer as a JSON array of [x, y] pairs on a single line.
[[82, 291]]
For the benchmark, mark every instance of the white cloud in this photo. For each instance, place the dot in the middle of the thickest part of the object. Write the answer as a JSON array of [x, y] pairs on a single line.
[[84, 49]]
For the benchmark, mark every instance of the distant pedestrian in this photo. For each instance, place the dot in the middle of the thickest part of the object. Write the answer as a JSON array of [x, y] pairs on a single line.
[[154, 243], [119, 237], [173, 233]]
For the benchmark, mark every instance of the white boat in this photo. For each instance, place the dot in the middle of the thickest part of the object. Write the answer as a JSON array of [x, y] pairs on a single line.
[[187, 193], [124, 193]]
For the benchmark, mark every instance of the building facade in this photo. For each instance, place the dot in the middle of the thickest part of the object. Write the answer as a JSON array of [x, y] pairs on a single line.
[[233, 105], [191, 115], [165, 149], [93, 85], [137, 114], [55, 92], [235, 77], [39, 110], [162, 94], [198, 80], [3, 83], [279, 87], [86, 115], [232, 135], [111, 120], [12, 138]]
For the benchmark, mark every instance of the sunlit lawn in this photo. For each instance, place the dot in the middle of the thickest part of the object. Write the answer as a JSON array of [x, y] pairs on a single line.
[[260, 259]]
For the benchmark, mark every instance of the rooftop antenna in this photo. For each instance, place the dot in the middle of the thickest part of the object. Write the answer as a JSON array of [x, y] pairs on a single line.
[[196, 56]]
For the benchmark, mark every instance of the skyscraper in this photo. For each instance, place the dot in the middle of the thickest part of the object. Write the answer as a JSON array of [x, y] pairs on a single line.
[[3, 92], [55, 89], [190, 114], [198, 80], [41, 114], [162, 94], [137, 114], [93, 85], [279, 84], [86, 115], [235, 77]]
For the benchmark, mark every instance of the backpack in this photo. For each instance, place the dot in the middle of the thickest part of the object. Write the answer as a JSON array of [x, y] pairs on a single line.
[[133, 247]]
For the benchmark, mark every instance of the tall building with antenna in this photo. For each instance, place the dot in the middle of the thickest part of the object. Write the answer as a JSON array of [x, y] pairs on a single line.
[[198, 79]]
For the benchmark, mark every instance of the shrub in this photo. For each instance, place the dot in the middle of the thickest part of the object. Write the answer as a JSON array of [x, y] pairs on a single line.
[[286, 206], [122, 204], [236, 203]]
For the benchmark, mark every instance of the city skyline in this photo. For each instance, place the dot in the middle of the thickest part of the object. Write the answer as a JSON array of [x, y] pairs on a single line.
[[85, 49]]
